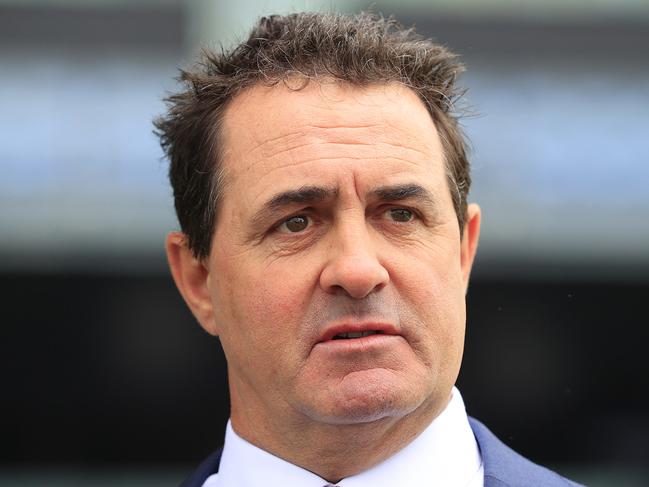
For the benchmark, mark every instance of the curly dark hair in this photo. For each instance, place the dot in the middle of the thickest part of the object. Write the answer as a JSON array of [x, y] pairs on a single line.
[[360, 49]]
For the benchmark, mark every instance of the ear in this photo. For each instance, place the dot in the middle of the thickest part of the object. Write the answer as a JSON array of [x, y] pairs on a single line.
[[469, 245], [191, 277]]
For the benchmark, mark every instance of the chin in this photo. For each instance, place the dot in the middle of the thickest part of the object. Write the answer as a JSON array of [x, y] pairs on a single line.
[[363, 397]]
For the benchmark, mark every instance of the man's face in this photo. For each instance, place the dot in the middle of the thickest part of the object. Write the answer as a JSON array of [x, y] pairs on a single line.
[[336, 220]]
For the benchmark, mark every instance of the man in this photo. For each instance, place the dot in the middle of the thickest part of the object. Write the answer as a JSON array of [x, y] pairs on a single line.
[[321, 185]]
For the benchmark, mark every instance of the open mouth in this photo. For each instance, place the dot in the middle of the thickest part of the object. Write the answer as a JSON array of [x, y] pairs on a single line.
[[355, 334]]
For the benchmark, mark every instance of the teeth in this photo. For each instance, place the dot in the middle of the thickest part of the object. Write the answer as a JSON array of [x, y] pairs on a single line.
[[356, 334]]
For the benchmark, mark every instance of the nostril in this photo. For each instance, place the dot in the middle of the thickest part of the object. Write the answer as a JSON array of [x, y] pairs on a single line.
[[355, 276]]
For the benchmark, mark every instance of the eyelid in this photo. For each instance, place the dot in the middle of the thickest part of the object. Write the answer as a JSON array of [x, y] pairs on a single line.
[[277, 226], [385, 208]]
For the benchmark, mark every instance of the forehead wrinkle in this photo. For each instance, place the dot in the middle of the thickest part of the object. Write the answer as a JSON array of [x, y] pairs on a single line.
[[385, 134], [291, 146], [379, 147], [337, 126], [300, 126], [289, 139], [314, 135], [296, 164], [429, 146]]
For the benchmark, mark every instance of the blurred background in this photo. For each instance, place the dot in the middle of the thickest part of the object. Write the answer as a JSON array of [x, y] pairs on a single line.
[[108, 379]]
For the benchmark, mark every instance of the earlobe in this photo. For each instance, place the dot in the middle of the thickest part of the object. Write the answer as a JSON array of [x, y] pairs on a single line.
[[191, 277], [469, 245]]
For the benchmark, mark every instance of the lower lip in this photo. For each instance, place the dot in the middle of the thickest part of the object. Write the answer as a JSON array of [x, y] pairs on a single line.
[[356, 345]]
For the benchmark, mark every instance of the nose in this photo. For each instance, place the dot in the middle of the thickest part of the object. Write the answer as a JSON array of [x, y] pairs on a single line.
[[353, 267]]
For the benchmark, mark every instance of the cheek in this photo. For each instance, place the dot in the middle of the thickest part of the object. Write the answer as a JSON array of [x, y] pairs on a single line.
[[266, 303], [275, 306], [432, 283], [433, 295], [272, 312]]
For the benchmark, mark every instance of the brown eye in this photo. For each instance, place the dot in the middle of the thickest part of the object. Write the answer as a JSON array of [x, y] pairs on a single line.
[[296, 224], [401, 215]]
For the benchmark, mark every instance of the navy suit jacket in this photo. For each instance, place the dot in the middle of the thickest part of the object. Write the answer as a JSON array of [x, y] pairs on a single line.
[[503, 467]]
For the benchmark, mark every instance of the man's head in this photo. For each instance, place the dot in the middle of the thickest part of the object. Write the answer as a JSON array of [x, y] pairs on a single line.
[[337, 270], [360, 50]]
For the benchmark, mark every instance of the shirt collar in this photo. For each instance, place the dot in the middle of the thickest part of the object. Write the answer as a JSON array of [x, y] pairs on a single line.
[[445, 453]]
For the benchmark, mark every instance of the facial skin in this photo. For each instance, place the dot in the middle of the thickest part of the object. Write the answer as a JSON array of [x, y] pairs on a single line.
[[336, 216]]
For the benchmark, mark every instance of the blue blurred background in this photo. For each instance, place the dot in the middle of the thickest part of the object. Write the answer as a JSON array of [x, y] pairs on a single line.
[[108, 379]]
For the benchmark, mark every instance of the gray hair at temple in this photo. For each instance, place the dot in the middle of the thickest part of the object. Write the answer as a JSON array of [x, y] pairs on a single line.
[[361, 50]]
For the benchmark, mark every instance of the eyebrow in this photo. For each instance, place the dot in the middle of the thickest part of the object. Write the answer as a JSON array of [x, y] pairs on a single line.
[[303, 195], [405, 192]]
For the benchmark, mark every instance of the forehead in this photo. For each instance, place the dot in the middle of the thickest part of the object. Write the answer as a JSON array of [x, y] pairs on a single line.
[[277, 137]]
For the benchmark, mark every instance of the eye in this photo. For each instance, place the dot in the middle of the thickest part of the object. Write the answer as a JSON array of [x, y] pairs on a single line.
[[401, 215], [294, 224]]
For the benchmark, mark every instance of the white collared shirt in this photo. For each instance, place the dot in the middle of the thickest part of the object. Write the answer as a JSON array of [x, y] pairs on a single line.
[[444, 454]]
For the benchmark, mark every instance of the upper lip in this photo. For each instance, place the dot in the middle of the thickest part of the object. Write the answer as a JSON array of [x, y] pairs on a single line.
[[356, 327]]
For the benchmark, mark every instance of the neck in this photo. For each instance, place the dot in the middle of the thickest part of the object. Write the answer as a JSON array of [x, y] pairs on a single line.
[[333, 451]]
